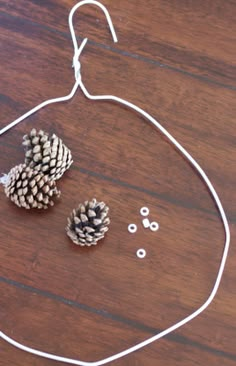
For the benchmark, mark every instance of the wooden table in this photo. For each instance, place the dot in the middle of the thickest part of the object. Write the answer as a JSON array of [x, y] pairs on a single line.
[[176, 60]]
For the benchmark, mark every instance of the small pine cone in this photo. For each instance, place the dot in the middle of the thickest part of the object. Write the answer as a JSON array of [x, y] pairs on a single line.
[[30, 188], [88, 223], [47, 154]]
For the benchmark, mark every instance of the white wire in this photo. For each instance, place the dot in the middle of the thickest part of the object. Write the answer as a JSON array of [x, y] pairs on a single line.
[[51, 101], [35, 109], [91, 2], [76, 65]]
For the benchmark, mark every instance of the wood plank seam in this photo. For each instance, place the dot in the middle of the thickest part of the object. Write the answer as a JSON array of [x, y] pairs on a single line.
[[163, 197], [174, 337], [123, 53]]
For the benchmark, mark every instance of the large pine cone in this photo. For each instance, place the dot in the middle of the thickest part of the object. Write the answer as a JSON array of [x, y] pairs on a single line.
[[88, 223], [30, 188], [47, 154]]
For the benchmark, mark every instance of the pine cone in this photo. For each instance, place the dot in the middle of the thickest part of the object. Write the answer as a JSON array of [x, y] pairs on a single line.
[[29, 188], [47, 154], [88, 223]]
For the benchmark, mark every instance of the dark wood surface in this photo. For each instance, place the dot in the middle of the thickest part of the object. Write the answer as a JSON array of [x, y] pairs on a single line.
[[176, 60]]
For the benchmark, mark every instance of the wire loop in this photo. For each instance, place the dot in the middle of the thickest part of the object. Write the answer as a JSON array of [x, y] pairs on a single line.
[[79, 83]]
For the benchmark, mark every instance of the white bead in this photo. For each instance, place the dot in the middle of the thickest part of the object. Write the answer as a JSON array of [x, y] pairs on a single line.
[[144, 211], [141, 253], [132, 228], [154, 226], [146, 223]]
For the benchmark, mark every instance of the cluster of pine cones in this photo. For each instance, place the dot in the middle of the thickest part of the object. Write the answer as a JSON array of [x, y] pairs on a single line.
[[33, 184]]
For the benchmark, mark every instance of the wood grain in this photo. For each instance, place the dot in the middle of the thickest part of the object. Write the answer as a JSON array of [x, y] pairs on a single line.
[[191, 37], [176, 60]]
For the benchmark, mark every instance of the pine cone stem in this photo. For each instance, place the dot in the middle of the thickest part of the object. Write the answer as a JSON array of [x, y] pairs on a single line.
[[4, 179]]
